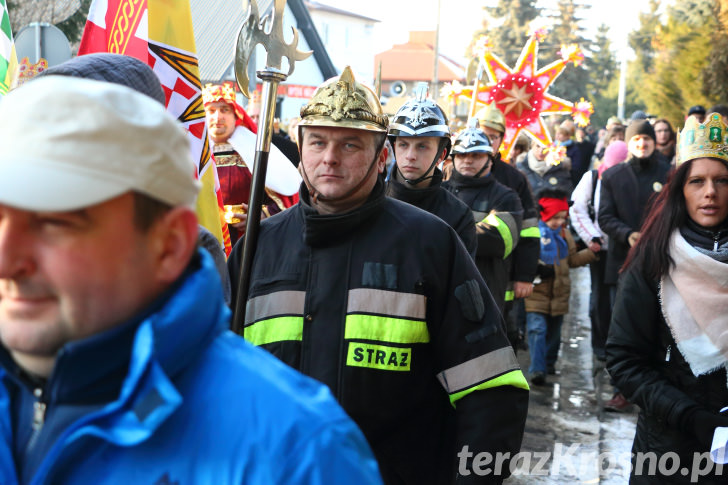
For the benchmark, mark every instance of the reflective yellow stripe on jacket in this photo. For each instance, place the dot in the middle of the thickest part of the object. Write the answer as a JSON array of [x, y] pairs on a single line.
[[497, 368], [388, 321], [529, 228], [507, 228], [510, 295], [275, 317]]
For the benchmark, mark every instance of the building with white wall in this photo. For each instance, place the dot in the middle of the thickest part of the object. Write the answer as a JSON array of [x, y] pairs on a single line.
[[217, 23], [348, 38]]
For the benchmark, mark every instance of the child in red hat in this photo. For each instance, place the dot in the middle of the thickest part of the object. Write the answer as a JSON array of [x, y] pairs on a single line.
[[549, 302]]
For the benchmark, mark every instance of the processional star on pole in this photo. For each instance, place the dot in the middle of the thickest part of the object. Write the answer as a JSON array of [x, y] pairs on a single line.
[[252, 33], [521, 93]]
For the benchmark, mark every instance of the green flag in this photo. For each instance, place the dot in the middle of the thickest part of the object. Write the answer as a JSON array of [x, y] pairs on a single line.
[[8, 60]]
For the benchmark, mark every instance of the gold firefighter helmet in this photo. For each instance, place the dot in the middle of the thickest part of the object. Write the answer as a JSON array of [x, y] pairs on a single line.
[[344, 103], [492, 117]]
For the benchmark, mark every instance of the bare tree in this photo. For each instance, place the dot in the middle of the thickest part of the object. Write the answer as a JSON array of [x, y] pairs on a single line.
[[23, 12]]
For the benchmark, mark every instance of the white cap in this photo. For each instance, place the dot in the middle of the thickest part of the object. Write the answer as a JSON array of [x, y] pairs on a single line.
[[68, 143]]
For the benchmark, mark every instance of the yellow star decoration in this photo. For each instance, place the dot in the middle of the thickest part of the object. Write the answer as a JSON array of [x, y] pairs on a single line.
[[516, 99]]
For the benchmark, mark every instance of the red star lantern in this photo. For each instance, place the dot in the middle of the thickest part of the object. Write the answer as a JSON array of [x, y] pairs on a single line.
[[521, 93]]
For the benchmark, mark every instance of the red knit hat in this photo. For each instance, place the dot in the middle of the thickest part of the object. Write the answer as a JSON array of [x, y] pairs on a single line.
[[551, 206]]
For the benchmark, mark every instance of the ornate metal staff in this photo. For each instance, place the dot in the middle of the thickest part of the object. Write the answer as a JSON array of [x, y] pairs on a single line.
[[252, 33]]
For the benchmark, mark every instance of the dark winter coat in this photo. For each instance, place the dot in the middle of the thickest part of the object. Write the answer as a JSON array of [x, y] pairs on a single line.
[[627, 192], [384, 305], [649, 370], [551, 295], [438, 201], [556, 177], [498, 213], [525, 256]]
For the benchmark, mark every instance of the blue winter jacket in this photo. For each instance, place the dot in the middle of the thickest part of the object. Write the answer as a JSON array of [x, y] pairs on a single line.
[[198, 406]]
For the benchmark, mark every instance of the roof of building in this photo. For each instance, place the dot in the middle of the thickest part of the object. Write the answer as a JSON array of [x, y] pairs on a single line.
[[414, 61], [217, 23]]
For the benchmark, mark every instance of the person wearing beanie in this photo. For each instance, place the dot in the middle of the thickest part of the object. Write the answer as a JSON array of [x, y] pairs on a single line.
[[549, 302], [583, 213], [615, 153], [131, 72], [641, 127], [116, 362], [642, 140], [626, 195]]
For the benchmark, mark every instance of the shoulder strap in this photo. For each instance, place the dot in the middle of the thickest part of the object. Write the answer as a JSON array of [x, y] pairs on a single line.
[[590, 206]]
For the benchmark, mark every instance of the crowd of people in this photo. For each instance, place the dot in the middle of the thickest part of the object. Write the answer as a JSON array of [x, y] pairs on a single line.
[[399, 267]]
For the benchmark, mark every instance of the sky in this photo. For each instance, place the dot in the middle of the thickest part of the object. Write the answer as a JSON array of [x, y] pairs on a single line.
[[457, 25]]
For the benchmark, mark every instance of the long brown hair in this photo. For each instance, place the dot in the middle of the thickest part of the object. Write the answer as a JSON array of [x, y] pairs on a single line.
[[669, 128]]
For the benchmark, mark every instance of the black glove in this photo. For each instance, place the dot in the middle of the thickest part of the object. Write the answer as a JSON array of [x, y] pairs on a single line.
[[703, 424], [545, 271]]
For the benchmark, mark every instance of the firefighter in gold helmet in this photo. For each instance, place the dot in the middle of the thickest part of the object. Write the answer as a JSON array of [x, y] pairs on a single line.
[[381, 302], [525, 254]]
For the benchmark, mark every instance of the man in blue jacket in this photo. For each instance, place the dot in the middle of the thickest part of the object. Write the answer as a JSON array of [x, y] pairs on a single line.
[[116, 363]]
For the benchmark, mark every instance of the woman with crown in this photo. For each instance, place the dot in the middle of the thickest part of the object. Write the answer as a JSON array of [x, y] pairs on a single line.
[[667, 349]]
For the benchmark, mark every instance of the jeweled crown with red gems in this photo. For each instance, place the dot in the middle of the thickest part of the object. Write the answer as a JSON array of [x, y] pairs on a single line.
[[708, 139], [220, 92]]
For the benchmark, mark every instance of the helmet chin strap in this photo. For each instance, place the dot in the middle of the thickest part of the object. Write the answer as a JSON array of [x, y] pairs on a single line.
[[416, 181], [485, 167], [316, 195]]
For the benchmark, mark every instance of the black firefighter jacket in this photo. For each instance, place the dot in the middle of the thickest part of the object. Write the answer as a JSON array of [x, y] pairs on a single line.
[[436, 200], [628, 189], [525, 256], [384, 305], [498, 214]]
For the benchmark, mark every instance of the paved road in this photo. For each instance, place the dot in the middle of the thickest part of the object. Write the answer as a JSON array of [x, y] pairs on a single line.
[[573, 440]]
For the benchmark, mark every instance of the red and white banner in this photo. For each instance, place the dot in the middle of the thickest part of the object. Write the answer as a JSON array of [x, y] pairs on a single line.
[[159, 32]]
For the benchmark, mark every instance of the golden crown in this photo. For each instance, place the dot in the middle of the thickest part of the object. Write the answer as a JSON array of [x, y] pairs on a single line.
[[212, 93], [702, 140]]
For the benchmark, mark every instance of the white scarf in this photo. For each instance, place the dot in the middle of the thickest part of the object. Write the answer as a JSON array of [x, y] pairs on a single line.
[[694, 302], [538, 166]]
